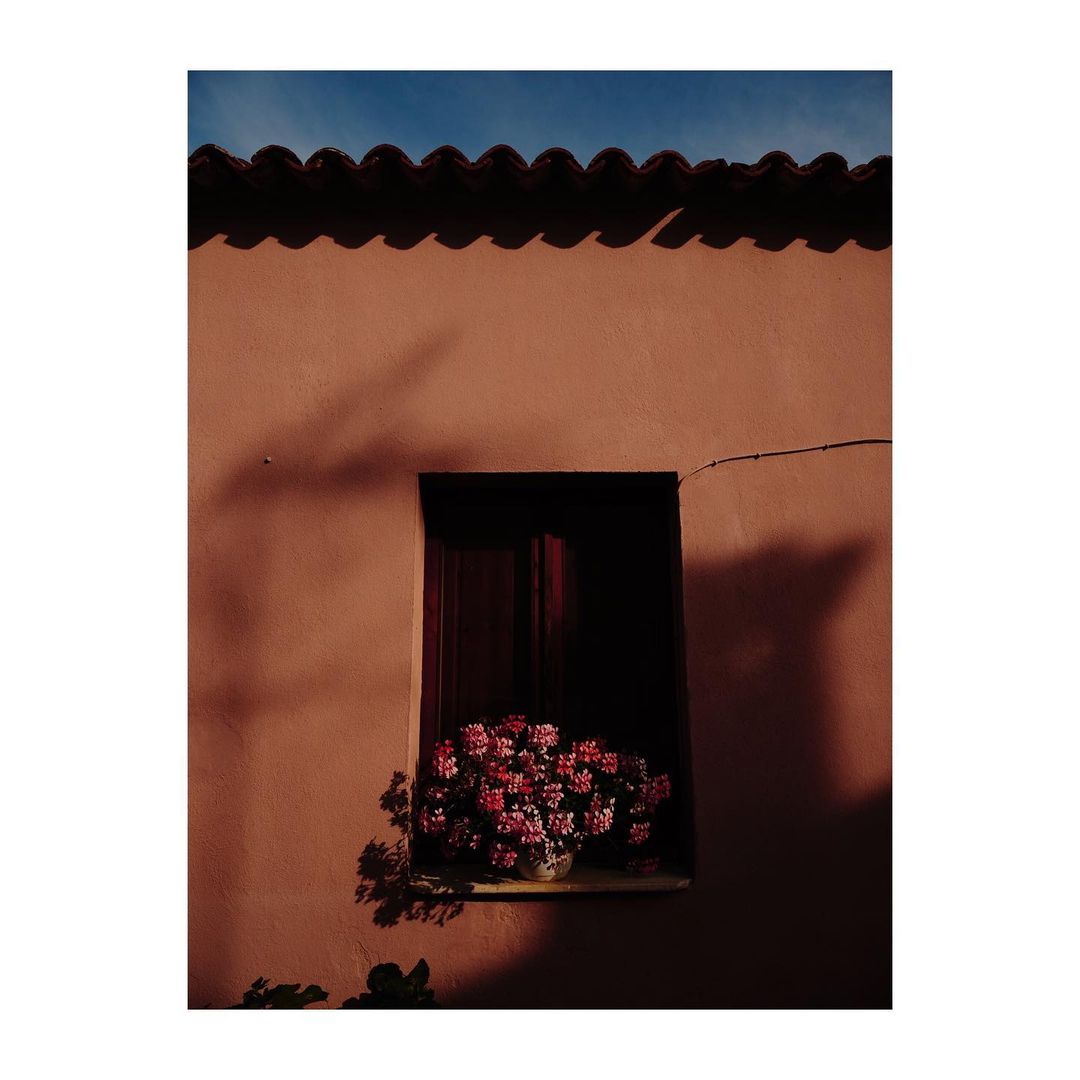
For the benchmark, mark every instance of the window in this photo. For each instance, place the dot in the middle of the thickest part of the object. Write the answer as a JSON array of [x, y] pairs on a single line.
[[556, 596]]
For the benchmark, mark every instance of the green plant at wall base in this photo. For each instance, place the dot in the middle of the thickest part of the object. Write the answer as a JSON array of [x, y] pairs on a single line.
[[388, 988], [284, 996]]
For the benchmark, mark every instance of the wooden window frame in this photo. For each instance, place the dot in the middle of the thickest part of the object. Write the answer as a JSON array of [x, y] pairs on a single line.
[[547, 564]]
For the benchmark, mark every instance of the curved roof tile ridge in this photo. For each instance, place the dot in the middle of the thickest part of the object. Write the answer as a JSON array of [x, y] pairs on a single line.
[[611, 155], [386, 166], [274, 153], [673, 157], [503, 153], [769, 159], [330, 155]]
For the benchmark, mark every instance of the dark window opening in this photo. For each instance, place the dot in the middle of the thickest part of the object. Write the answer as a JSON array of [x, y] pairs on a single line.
[[557, 596]]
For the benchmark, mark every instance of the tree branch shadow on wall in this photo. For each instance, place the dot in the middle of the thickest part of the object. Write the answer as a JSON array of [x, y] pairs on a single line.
[[614, 221], [245, 670], [791, 903], [315, 463]]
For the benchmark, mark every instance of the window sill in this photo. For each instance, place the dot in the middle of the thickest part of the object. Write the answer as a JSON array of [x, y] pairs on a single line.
[[473, 882]]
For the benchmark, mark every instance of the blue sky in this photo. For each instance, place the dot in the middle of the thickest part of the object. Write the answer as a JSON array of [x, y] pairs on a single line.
[[737, 115]]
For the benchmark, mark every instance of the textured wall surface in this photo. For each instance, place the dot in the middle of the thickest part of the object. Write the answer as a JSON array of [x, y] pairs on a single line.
[[355, 368]]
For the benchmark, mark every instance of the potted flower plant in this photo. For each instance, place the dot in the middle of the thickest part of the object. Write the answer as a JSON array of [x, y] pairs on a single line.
[[521, 796]]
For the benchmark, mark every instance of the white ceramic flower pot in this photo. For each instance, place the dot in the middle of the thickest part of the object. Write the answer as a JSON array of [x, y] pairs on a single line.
[[538, 870]]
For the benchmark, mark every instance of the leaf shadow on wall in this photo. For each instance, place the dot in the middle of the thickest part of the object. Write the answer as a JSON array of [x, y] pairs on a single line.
[[791, 903], [383, 869], [511, 224]]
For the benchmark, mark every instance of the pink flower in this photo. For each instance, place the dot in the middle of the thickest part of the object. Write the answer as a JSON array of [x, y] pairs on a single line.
[[633, 765], [561, 822], [474, 739], [516, 783], [532, 833], [609, 763], [509, 821], [512, 725], [502, 854], [490, 799], [588, 751], [598, 818], [639, 832], [580, 782], [656, 788], [443, 762], [552, 794], [501, 746], [641, 865], [564, 765], [543, 736], [494, 769], [432, 820]]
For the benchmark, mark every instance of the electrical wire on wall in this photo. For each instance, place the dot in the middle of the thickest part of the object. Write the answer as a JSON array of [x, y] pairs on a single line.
[[783, 453]]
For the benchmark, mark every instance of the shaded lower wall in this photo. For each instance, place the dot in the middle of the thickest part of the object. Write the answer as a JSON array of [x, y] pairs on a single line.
[[353, 368]]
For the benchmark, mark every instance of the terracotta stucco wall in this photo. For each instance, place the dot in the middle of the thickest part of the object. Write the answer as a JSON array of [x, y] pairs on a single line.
[[355, 368]]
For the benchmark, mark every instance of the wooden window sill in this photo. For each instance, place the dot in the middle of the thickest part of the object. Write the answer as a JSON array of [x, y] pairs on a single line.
[[474, 882]]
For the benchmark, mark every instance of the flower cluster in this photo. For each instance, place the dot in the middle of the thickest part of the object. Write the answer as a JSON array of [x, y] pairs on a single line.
[[443, 762], [508, 788], [543, 736], [599, 818]]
